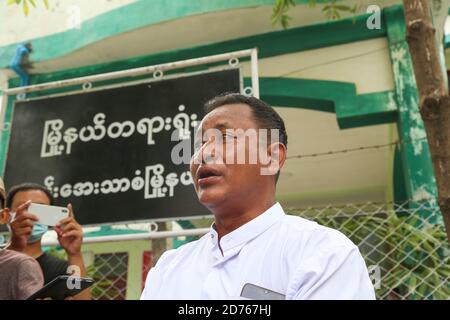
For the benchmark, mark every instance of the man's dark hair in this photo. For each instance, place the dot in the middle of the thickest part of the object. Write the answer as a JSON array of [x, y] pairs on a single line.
[[29, 46], [264, 115], [27, 187]]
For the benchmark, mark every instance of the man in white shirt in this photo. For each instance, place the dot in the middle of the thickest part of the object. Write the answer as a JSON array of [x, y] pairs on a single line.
[[253, 250]]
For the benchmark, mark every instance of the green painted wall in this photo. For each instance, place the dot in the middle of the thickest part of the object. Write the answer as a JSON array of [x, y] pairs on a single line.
[[351, 110]]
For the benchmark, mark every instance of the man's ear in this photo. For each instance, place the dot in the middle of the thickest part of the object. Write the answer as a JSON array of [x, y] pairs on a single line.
[[5, 215], [276, 153]]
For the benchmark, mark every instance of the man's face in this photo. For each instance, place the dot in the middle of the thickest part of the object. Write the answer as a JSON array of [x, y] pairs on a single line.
[[36, 196], [219, 180]]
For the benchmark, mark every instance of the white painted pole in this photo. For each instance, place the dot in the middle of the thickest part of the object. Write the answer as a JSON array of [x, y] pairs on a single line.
[[137, 236], [255, 73], [132, 72]]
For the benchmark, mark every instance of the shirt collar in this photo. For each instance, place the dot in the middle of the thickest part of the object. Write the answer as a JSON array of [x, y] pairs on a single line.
[[248, 231]]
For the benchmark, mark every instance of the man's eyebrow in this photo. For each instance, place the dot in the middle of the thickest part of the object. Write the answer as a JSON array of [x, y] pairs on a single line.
[[223, 125], [219, 126]]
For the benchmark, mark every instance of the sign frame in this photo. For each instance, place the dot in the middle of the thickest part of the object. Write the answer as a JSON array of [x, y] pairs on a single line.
[[7, 109]]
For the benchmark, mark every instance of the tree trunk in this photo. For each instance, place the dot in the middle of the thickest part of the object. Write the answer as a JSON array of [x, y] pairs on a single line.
[[434, 101]]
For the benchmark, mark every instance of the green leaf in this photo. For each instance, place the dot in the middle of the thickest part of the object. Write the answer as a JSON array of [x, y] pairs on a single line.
[[336, 14], [46, 3], [341, 7], [279, 10], [32, 3], [25, 7]]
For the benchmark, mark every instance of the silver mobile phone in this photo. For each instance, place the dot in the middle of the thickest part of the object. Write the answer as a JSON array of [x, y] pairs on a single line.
[[48, 215], [251, 291]]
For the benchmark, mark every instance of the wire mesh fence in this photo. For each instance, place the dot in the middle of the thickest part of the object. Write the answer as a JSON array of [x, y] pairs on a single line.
[[110, 273], [404, 246]]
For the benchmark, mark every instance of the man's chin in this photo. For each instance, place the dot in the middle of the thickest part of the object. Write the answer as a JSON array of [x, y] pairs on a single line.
[[210, 198]]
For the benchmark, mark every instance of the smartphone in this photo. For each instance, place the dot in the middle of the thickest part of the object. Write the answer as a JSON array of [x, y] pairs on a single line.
[[48, 215], [62, 287], [251, 291]]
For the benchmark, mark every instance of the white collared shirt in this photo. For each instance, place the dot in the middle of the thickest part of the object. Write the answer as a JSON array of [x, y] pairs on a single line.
[[295, 257]]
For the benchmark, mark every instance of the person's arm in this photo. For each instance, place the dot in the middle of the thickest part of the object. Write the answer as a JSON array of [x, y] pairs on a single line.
[[336, 273], [29, 279], [26, 63], [70, 237]]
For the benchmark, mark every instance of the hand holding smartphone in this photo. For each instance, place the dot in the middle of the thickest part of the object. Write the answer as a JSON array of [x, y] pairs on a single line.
[[48, 215]]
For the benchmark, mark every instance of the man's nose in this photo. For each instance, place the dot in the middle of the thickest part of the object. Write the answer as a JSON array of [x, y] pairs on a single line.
[[208, 152], [205, 154]]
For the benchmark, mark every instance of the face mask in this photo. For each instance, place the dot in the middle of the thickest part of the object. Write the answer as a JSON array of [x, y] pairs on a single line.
[[38, 231]]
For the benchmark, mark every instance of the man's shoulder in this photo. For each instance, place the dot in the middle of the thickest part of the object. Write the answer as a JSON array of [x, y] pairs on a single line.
[[15, 257], [170, 255], [48, 259], [20, 274], [17, 261], [313, 234]]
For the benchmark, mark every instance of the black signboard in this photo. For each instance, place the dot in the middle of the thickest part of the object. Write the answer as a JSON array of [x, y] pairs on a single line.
[[111, 153]]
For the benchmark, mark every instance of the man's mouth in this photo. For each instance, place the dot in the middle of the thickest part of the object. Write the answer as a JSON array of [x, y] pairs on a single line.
[[207, 175]]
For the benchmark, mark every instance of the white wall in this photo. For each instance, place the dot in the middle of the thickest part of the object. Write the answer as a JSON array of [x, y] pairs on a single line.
[[16, 27]]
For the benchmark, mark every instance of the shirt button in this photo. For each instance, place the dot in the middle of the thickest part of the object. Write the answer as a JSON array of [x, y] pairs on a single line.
[[212, 236]]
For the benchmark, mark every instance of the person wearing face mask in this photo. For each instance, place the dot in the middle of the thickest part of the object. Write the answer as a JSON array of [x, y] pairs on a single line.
[[20, 275], [26, 233]]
